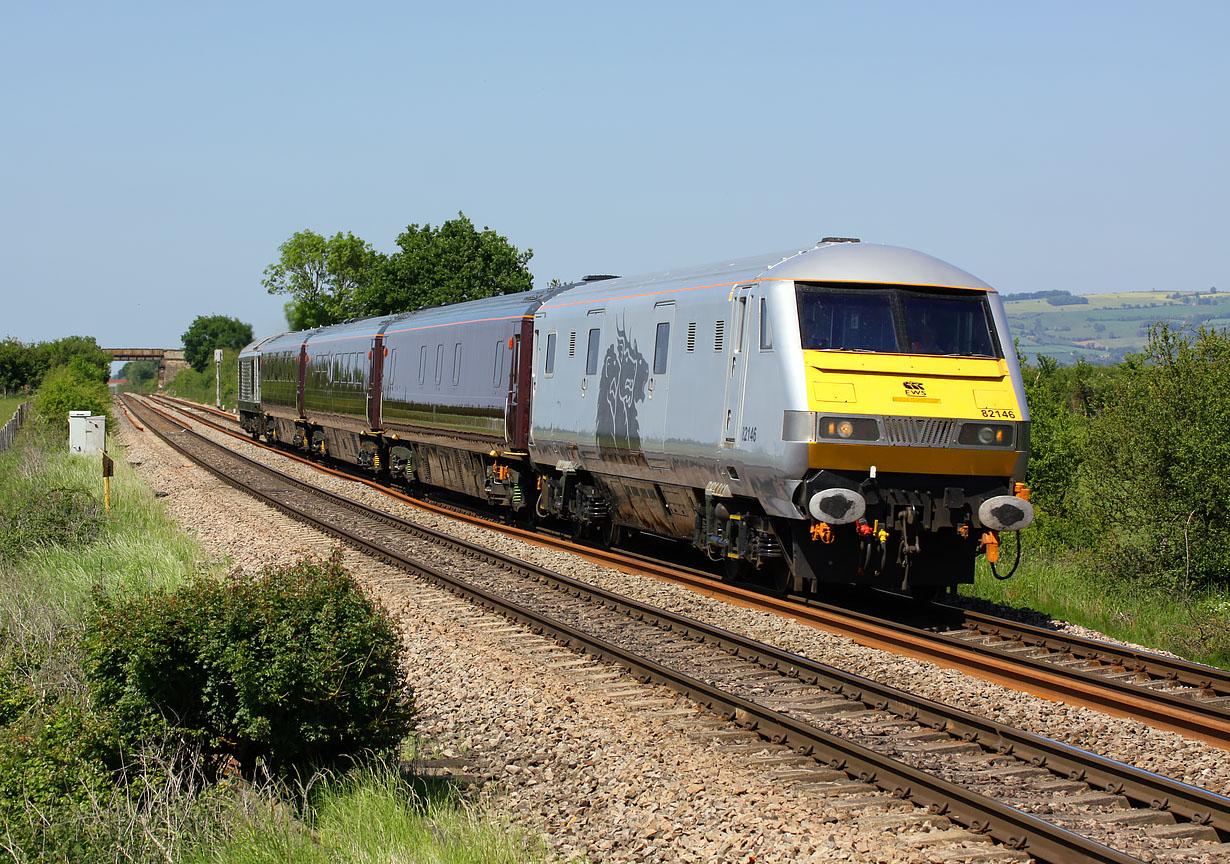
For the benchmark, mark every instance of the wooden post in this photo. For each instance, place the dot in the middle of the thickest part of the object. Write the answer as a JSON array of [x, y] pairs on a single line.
[[108, 468]]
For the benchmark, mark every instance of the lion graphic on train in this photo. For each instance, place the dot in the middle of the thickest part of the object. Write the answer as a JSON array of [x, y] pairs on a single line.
[[625, 373]]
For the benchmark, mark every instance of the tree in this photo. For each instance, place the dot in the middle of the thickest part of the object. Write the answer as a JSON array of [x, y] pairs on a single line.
[[323, 275], [91, 361], [216, 331], [141, 375], [448, 264], [17, 365]]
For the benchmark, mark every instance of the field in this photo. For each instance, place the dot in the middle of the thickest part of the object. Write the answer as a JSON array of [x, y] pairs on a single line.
[[8, 404], [1109, 325]]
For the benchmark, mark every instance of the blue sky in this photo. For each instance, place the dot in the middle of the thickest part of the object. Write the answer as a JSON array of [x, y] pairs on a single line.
[[154, 155]]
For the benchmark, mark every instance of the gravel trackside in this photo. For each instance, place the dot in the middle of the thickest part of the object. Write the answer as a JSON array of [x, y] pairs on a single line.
[[605, 768]]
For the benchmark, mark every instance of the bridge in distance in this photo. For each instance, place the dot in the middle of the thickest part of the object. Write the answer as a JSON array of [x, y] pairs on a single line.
[[170, 360]]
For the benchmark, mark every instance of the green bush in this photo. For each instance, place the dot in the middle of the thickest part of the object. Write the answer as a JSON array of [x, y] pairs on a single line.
[[1156, 463], [68, 388], [51, 775], [293, 667], [48, 517], [1063, 400]]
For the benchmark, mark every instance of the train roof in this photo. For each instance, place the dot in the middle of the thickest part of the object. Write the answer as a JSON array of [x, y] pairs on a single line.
[[279, 342], [259, 345], [827, 261], [503, 306], [500, 307]]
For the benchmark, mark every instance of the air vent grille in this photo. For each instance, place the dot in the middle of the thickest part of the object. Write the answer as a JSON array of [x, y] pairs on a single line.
[[692, 336], [719, 330], [572, 344], [922, 431]]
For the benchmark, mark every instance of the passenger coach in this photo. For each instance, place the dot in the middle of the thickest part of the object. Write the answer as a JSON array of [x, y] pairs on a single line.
[[845, 413]]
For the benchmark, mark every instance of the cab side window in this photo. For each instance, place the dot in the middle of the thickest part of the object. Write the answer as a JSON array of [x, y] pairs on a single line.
[[661, 347]]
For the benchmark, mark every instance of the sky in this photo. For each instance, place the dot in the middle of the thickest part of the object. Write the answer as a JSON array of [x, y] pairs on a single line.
[[153, 155]]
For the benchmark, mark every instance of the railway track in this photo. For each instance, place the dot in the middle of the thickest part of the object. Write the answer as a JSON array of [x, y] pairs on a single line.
[[1054, 802], [1172, 694]]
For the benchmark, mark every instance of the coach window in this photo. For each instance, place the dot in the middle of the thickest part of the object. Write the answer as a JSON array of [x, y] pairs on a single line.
[[766, 326], [549, 367], [439, 362], [456, 363], [661, 347], [422, 364], [499, 362], [591, 351]]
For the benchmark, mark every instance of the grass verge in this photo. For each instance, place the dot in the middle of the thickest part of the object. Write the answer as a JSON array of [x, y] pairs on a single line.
[[63, 797], [370, 816], [1194, 626]]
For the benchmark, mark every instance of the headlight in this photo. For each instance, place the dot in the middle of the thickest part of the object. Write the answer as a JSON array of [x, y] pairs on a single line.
[[986, 434], [855, 428]]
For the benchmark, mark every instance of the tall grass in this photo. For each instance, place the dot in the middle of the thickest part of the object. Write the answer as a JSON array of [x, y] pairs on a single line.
[[373, 815], [58, 797], [137, 546]]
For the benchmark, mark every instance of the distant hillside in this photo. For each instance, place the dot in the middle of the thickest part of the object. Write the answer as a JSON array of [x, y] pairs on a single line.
[[1102, 328]]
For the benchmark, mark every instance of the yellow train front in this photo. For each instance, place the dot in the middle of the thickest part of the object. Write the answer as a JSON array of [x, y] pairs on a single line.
[[917, 432], [850, 412]]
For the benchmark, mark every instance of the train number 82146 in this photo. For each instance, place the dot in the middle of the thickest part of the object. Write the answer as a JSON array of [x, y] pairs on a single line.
[[1000, 413]]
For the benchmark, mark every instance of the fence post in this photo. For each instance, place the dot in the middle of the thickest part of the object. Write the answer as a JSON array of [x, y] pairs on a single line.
[[9, 432]]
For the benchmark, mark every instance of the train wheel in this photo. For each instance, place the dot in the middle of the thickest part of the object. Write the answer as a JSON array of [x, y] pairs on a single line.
[[734, 570], [776, 576]]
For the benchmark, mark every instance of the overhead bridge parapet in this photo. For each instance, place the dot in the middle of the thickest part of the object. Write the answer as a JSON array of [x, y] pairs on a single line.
[[170, 360]]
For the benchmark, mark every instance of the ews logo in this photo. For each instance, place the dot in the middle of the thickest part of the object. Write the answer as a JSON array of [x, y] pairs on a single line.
[[914, 388]]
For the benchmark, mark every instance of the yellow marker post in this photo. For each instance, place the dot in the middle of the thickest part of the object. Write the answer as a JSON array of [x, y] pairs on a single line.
[[108, 468]]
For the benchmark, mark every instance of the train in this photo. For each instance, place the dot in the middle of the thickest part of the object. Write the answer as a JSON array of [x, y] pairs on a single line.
[[847, 413]]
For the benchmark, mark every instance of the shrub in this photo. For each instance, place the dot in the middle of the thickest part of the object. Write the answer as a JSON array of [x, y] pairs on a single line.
[[50, 774], [1157, 461], [294, 667], [67, 388], [1063, 400]]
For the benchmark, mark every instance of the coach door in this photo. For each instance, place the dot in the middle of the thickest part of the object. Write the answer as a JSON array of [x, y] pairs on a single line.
[[658, 388], [736, 368], [517, 405], [375, 380]]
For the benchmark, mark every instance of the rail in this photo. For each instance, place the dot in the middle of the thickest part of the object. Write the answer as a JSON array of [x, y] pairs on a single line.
[[1199, 714], [1004, 823]]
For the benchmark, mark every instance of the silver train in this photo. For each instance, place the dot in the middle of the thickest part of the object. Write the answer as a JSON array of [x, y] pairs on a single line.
[[849, 413]]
